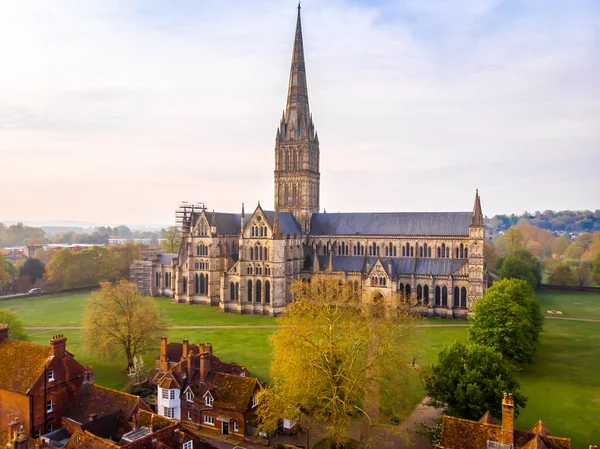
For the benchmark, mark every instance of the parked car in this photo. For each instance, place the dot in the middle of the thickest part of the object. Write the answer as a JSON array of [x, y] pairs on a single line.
[[35, 292]]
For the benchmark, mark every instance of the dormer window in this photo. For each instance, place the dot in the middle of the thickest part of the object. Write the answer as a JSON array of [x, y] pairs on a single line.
[[189, 396], [50, 376], [254, 401], [208, 400]]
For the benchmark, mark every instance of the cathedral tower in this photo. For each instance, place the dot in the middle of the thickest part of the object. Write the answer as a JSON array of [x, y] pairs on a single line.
[[297, 146]]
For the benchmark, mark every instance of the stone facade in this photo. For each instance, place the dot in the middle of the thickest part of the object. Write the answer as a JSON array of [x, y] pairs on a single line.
[[245, 263]]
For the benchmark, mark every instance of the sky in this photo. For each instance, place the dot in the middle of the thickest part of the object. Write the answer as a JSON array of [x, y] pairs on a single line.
[[114, 111]]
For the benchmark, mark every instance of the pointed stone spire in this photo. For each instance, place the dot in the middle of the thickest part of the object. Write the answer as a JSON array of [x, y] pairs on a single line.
[[297, 112], [477, 216], [242, 219]]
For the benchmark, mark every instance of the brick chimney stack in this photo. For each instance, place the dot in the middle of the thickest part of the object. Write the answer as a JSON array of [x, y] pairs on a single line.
[[58, 343], [208, 348], [88, 375], [3, 331], [163, 354], [204, 365], [508, 419], [185, 350], [190, 366]]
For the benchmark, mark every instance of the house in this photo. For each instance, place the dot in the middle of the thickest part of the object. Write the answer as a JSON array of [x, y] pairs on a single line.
[[460, 433], [37, 383], [197, 388]]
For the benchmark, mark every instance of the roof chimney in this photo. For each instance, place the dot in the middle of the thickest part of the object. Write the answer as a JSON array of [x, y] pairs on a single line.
[[88, 375], [58, 343], [3, 331], [204, 365], [185, 349], [508, 419], [163, 354]]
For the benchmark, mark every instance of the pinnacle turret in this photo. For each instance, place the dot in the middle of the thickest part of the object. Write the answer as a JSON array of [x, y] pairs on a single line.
[[477, 216]]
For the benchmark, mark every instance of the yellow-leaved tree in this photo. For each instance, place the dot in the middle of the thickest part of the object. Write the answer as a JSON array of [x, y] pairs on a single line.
[[120, 321], [339, 355]]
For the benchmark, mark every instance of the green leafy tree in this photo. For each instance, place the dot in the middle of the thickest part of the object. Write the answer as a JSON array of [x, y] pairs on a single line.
[[596, 269], [172, 240], [15, 327], [514, 267], [560, 245], [7, 270], [509, 320], [574, 251], [120, 321], [514, 240], [562, 275], [471, 380], [491, 256], [33, 268]]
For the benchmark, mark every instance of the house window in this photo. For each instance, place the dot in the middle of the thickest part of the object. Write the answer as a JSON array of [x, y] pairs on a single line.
[[169, 412], [243, 374], [188, 445], [236, 427], [171, 394], [50, 376], [49, 406], [208, 400], [189, 416], [36, 434], [189, 396], [209, 420], [165, 393], [254, 401]]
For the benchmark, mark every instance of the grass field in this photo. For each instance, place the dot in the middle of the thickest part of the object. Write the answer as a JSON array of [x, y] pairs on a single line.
[[563, 386]]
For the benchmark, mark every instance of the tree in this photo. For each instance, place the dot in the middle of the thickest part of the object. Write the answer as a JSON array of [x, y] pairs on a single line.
[[15, 327], [138, 372], [56, 269], [33, 268], [583, 273], [574, 251], [562, 275], [7, 270], [514, 267], [560, 245], [491, 256], [514, 240], [338, 356], [120, 321], [596, 269], [172, 240], [471, 380], [594, 249], [509, 320], [585, 240]]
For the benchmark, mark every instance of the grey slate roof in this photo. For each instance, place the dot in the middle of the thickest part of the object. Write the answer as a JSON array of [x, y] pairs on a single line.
[[165, 258], [287, 222], [227, 223], [392, 223], [400, 265]]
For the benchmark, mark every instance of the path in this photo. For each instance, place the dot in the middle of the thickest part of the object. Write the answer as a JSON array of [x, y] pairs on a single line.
[[274, 326]]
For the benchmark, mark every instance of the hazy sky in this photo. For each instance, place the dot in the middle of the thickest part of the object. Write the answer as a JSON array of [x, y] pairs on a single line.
[[114, 111]]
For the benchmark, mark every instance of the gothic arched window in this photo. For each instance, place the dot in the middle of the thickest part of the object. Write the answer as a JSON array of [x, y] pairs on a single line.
[[448, 252], [428, 252], [232, 292], [407, 290], [463, 297], [419, 292], [455, 298], [444, 296], [426, 294], [258, 291], [249, 291], [237, 291], [438, 252], [438, 295], [466, 253], [462, 251], [443, 250], [267, 292]]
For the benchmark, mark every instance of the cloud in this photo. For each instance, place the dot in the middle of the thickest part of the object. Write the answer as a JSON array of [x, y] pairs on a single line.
[[416, 103]]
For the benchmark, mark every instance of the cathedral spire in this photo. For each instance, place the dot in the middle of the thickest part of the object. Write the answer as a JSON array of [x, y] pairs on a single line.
[[297, 113], [477, 216]]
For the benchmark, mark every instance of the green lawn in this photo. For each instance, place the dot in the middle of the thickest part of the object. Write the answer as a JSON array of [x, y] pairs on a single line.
[[563, 386], [571, 304]]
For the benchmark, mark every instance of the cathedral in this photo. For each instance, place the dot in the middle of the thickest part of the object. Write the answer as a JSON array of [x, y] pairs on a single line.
[[244, 262]]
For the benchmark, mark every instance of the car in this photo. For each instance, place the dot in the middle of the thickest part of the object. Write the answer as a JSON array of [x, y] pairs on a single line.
[[35, 292]]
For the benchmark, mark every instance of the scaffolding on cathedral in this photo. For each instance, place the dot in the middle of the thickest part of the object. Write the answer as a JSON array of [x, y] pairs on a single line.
[[140, 270], [185, 213]]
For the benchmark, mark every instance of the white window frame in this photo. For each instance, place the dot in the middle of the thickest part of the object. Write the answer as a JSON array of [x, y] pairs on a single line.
[[236, 427], [210, 420], [243, 374], [208, 400], [189, 416], [254, 401], [188, 445], [50, 376], [171, 394], [165, 393], [169, 412], [189, 396], [49, 407]]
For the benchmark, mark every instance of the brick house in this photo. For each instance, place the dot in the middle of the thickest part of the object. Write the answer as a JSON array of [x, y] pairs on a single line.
[[37, 383], [460, 433], [197, 388]]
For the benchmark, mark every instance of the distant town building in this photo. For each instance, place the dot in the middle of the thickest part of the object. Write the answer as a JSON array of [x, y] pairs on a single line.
[[245, 263], [486, 433]]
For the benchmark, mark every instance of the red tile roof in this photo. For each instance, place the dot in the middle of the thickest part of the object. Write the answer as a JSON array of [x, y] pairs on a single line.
[[22, 364]]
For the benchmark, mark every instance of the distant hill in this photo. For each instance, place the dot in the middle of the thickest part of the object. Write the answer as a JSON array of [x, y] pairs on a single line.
[[53, 230], [563, 221]]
